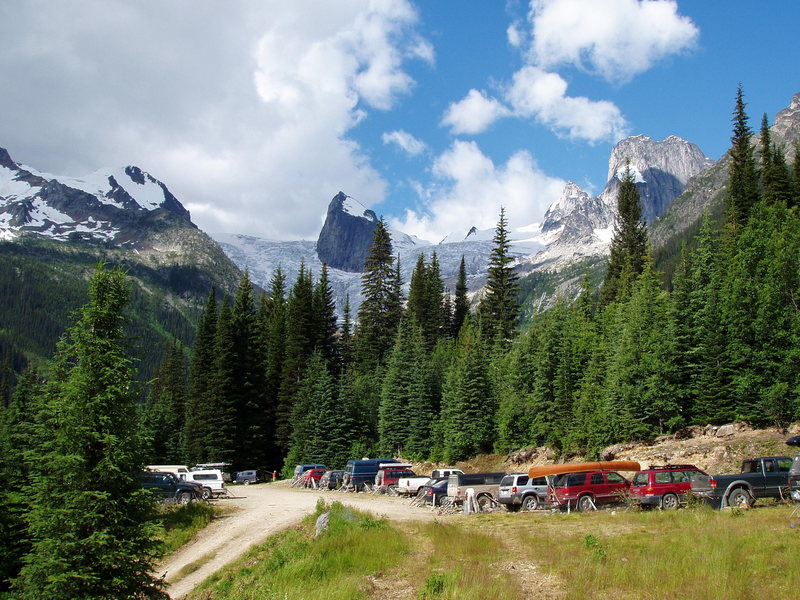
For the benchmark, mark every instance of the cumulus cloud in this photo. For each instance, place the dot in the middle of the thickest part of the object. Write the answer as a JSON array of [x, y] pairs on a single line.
[[239, 110], [537, 94], [405, 141], [473, 114], [469, 189], [616, 39]]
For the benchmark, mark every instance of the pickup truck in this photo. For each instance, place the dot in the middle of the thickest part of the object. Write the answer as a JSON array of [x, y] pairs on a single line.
[[409, 486], [760, 478]]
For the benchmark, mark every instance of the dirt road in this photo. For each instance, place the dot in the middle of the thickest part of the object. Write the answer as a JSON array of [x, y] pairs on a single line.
[[260, 511]]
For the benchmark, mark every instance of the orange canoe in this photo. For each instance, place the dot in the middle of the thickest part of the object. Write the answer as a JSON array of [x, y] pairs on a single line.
[[608, 465]]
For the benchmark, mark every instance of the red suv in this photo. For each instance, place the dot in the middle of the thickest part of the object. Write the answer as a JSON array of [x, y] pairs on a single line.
[[664, 486], [312, 477], [585, 491]]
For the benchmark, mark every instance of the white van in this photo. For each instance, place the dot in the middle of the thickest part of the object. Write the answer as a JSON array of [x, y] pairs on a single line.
[[210, 479]]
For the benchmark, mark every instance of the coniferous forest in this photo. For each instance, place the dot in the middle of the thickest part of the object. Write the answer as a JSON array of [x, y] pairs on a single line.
[[276, 379]]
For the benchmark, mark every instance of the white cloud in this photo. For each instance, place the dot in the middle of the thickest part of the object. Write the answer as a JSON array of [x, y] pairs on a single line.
[[473, 114], [245, 112], [537, 94], [616, 39], [470, 189], [405, 141]]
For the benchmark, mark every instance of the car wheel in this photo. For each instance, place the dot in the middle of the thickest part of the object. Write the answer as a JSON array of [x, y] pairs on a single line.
[[586, 503], [247, 482], [669, 502], [184, 498], [530, 502], [739, 498], [207, 493], [485, 503]]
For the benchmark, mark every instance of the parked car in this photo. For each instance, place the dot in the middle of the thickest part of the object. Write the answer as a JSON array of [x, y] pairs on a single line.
[[359, 472], [517, 490], [331, 480], [410, 485], [389, 474], [211, 481], [584, 491], [760, 478], [664, 486], [300, 469], [486, 486], [433, 491], [167, 487], [312, 476], [247, 477]]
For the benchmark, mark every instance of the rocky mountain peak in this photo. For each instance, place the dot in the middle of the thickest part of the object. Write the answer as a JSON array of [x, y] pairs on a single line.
[[346, 235], [661, 169], [786, 128]]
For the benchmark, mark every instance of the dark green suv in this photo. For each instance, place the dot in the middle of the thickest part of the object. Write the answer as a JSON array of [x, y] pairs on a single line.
[[167, 487]]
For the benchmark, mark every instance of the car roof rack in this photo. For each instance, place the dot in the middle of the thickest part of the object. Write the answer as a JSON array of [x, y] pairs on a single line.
[[663, 467]]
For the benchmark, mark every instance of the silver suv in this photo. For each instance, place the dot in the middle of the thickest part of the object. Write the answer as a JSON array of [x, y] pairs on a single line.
[[517, 490]]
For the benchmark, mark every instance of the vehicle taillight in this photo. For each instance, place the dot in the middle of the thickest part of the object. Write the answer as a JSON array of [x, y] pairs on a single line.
[[514, 490], [712, 482], [429, 492], [649, 489]]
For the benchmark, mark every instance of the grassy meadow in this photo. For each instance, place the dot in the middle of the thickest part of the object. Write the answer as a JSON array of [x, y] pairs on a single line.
[[692, 553]]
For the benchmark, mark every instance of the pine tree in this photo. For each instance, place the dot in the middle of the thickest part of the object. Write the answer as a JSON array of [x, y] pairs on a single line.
[[273, 333], [378, 315], [742, 174], [325, 316], [15, 436], [298, 349], [90, 536], [165, 411], [219, 441], [461, 302], [498, 309], [628, 245], [468, 407], [197, 424]]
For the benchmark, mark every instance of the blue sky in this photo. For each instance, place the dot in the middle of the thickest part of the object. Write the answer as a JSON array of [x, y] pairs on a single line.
[[434, 114]]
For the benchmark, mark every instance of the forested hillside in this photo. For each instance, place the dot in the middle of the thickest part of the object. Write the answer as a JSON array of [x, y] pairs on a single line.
[[275, 381]]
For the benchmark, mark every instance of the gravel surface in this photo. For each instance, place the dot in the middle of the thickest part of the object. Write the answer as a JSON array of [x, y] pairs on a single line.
[[260, 511]]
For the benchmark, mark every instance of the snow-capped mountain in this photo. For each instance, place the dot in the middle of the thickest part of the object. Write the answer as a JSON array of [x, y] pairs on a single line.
[[108, 205], [575, 227]]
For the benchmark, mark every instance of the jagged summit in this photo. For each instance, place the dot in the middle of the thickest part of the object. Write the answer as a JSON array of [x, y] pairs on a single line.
[[109, 205], [346, 234]]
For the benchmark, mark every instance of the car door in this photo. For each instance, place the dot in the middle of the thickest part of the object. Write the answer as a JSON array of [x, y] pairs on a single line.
[[599, 487]]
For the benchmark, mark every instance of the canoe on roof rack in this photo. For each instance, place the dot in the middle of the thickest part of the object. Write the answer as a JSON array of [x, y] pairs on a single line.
[[607, 465]]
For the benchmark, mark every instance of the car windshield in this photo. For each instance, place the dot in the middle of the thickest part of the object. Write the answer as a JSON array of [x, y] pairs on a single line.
[[507, 480], [796, 464]]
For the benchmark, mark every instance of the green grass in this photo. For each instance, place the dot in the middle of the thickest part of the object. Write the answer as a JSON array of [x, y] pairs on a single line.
[[177, 524], [693, 553], [294, 564]]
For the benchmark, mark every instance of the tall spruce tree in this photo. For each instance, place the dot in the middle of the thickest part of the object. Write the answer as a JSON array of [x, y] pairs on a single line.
[[461, 302], [499, 310], [378, 313], [165, 411], [742, 174], [629, 243], [324, 309], [89, 516], [273, 334], [197, 424], [219, 442]]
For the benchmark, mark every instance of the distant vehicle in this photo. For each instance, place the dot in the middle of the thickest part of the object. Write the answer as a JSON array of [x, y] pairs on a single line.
[[584, 491], [760, 478], [410, 485], [664, 486], [433, 491], [168, 468], [360, 472], [312, 476], [167, 487], [331, 480], [300, 469], [211, 481], [247, 477], [390, 473], [518, 490], [485, 485]]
